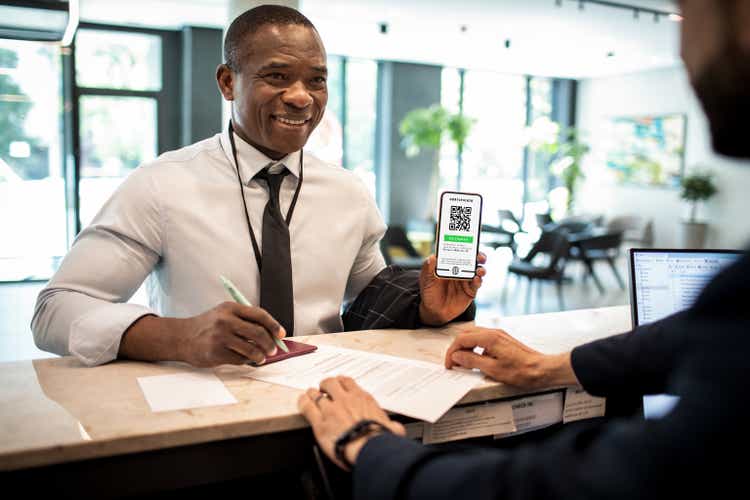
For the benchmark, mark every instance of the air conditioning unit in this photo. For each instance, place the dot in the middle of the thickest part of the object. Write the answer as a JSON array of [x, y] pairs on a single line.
[[39, 20]]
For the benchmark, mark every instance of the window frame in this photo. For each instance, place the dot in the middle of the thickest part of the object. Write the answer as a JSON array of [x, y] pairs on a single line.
[[168, 100]]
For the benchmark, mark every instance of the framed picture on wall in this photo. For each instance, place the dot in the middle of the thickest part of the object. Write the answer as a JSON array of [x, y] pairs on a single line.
[[648, 150]]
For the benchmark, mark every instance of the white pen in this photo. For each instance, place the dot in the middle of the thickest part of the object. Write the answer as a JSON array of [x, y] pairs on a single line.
[[239, 298]]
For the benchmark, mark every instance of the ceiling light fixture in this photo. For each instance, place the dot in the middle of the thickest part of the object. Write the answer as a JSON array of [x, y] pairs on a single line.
[[637, 11]]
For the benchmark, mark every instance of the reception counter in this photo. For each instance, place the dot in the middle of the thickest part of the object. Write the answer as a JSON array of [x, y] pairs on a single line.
[[58, 418]]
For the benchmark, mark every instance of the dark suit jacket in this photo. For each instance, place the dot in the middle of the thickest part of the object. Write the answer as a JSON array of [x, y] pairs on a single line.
[[700, 449]]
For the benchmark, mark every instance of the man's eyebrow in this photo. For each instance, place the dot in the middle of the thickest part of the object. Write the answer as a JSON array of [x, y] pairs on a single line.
[[275, 65], [320, 69]]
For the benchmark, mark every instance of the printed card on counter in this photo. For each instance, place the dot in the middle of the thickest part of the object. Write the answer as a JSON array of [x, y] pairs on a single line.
[[580, 405], [536, 412], [471, 421]]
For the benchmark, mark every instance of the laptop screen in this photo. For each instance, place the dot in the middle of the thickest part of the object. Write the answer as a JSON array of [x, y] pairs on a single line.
[[668, 281], [664, 282]]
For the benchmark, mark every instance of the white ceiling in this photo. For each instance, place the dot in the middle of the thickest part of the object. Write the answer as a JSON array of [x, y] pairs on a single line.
[[545, 39]]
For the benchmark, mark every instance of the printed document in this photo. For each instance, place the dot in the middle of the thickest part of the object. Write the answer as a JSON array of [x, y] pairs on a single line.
[[413, 388]]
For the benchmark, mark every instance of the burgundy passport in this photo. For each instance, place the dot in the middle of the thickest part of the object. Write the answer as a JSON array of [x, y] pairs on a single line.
[[295, 349]]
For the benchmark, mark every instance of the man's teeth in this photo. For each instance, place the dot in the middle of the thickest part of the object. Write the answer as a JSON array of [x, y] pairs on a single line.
[[290, 122]]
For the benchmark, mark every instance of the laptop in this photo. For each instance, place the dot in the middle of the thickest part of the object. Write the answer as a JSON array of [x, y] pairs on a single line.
[[665, 281]]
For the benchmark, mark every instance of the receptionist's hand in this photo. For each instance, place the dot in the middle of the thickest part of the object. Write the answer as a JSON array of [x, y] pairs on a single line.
[[508, 360], [446, 299], [335, 408], [229, 333]]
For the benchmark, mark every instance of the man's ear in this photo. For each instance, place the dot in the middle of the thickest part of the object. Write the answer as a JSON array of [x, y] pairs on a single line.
[[225, 80]]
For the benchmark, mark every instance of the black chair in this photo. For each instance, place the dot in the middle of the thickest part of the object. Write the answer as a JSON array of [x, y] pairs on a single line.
[[554, 247], [504, 234], [598, 247], [543, 219], [635, 229], [398, 250]]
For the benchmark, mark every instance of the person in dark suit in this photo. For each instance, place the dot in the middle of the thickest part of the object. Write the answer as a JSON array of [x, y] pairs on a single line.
[[701, 354]]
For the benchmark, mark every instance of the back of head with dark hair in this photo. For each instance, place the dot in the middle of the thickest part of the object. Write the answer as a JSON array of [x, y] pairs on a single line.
[[250, 21]]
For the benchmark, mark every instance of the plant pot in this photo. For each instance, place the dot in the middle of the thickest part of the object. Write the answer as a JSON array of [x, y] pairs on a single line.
[[694, 234]]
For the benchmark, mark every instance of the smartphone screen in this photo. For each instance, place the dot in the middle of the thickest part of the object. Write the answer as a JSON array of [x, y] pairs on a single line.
[[458, 235]]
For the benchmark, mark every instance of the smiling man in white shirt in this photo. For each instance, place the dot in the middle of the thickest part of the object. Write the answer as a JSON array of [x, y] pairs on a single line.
[[296, 235]]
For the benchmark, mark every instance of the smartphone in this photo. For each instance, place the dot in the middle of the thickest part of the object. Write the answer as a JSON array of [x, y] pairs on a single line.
[[460, 218]]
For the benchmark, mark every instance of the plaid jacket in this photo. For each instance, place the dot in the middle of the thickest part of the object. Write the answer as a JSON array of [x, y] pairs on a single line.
[[391, 300]]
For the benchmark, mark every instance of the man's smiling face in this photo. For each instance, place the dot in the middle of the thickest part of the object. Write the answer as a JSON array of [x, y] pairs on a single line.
[[279, 91]]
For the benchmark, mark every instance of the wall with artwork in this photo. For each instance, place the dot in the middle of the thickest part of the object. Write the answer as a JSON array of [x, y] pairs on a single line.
[[647, 150], [633, 124]]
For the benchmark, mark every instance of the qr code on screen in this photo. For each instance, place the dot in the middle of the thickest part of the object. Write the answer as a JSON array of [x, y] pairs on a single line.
[[460, 218]]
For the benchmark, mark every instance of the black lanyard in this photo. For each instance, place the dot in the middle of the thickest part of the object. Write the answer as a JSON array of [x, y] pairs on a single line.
[[258, 256]]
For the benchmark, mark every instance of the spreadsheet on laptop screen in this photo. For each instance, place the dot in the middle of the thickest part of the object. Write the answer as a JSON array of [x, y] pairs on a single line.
[[668, 282]]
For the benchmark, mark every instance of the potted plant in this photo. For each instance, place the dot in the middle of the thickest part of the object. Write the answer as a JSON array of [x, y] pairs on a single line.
[[696, 188], [424, 129], [562, 152]]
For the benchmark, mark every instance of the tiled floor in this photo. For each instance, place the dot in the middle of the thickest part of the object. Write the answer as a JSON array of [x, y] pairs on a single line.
[[17, 302]]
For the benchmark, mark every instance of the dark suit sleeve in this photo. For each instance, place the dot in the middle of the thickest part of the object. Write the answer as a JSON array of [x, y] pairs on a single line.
[[638, 362], [586, 460], [391, 300]]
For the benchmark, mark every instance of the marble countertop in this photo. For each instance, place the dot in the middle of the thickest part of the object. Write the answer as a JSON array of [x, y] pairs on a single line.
[[57, 410]]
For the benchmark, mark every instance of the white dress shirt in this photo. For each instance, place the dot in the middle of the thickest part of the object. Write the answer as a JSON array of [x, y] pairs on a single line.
[[179, 221]]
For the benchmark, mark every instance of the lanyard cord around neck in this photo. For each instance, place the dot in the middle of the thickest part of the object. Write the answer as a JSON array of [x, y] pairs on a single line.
[[256, 250]]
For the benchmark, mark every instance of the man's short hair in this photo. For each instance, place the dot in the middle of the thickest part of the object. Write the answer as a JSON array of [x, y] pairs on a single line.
[[250, 21]]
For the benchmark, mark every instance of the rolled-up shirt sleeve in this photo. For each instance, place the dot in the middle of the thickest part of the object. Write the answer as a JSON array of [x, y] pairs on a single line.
[[83, 310]]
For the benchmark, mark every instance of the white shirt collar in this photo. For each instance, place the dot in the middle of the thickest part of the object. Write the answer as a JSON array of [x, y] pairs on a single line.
[[253, 161]]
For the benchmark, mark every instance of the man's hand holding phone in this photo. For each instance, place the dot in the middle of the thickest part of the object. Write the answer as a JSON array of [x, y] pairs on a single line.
[[446, 299], [450, 278]]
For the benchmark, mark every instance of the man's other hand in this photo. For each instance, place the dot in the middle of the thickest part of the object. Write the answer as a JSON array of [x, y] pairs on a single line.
[[508, 360], [335, 408], [446, 299]]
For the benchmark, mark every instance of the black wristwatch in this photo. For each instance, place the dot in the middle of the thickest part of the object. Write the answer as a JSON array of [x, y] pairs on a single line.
[[361, 428]]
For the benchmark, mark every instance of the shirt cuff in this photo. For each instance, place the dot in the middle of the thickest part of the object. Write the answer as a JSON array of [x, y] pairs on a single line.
[[95, 337], [382, 464]]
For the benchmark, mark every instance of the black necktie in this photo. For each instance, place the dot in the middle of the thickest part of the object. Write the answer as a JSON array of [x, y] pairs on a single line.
[[276, 292]]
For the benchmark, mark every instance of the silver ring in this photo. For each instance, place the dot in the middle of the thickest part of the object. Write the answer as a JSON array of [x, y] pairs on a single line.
[[320, 396]]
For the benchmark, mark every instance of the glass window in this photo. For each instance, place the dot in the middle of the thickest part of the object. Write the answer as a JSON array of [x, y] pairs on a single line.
[[112, 146], [360, 94], [33, 234], [118, 60], [326, 142], [541, 97], [539, 180], [361, 109], [450, 97], [493, 155]]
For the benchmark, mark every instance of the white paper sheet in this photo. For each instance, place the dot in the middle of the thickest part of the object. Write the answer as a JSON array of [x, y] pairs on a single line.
[[413, 388], [471, 421], [180, 391], [580, 405], [536, 412]]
